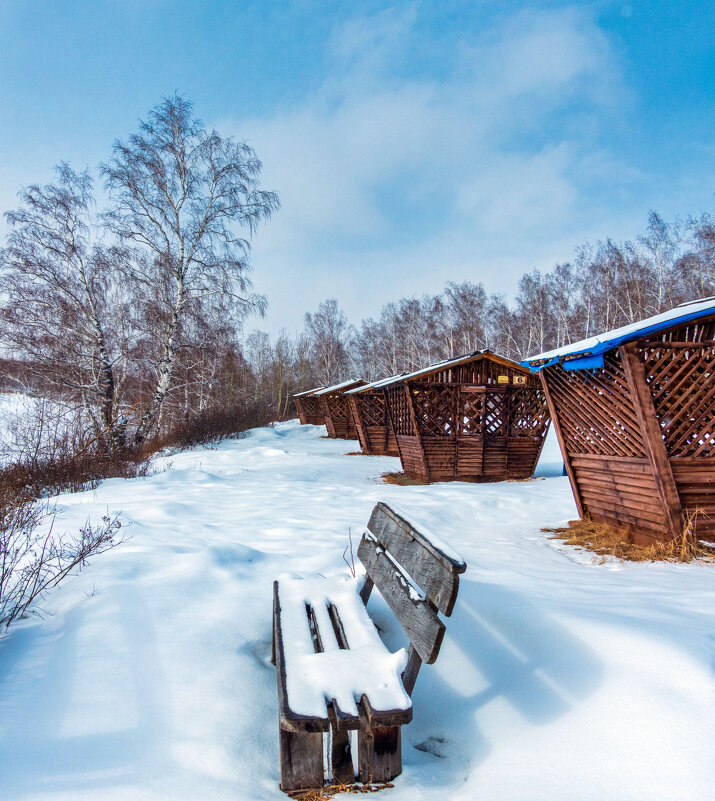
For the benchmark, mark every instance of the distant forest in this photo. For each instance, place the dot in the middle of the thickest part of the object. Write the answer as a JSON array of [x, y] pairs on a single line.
[[608, 284]]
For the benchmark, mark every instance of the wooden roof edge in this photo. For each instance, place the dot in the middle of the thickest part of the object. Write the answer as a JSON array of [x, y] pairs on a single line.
[[342, 387], [458, 361], [378, 384], [306, 392]]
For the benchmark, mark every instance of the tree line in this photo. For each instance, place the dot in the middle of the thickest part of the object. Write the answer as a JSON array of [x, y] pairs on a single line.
[[607, 284], [133, 314]]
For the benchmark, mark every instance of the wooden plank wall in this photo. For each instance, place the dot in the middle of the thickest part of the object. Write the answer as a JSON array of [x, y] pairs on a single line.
[[369, 415], [338, 417], [638, 435], [312, 409]]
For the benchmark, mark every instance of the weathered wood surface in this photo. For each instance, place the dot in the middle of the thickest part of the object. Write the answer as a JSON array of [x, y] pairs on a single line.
[[301, 411], [301, 758], [371, 421], [626, 429], [653, 440], [379, 753], [341, 757], [296, 722], [447, 429], [379, 738], [435, 572], [289, 720], [420, 623]]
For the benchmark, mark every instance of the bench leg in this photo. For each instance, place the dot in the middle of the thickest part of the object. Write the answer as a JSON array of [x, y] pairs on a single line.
[[379, 753], [301, 760], [342, 760]]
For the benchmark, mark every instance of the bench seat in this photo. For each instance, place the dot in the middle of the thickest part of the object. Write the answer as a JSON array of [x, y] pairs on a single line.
[[335, 667]]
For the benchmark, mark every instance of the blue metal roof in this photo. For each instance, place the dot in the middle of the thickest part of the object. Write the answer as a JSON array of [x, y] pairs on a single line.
[[588, 353]]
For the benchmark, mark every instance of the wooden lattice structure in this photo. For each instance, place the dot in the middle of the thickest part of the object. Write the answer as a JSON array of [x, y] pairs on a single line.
[[479, 417], [308, 406], [336, 410], [369, 413], [634, 411]]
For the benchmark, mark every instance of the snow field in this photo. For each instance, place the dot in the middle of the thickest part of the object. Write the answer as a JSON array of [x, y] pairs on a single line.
[[150, 676]]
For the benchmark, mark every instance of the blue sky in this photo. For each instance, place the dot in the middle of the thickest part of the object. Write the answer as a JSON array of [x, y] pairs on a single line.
[[410, 143]]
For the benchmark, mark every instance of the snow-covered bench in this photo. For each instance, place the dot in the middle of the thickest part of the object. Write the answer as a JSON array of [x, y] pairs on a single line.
[[334, 672]]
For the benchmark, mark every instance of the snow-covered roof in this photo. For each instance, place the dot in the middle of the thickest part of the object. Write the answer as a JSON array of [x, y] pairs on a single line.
[[306, 392], [588, 353], [374, 384], [342, 385], [437, 367]]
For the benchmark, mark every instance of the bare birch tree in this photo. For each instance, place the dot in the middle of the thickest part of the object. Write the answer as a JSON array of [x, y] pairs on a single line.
[[179, 193], [59, 310], [329, 334]]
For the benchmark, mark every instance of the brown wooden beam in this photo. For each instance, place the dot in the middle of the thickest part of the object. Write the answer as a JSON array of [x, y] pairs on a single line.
[[391, 425], [416, 428], [356, 412], [652, 438], [562, 443]]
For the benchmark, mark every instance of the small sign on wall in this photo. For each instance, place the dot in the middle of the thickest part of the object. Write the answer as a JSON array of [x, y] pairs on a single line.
[[502, 379], [520, 379]]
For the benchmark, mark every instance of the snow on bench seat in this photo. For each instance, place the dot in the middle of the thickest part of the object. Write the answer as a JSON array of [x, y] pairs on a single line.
[[332, 656]]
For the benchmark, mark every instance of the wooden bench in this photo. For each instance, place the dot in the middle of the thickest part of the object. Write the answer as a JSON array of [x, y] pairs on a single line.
[[334, 672]]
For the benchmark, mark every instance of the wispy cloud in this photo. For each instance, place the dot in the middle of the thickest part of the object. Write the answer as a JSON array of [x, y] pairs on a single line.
[[392, 183]]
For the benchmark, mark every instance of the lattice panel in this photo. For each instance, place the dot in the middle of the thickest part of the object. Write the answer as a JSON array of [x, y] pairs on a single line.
[[434, 407], [337, 406], [399, 411], [372, 409], [496, 413], [529, 415], [682, 385], [595, 409], [471, 412], [311, 404]]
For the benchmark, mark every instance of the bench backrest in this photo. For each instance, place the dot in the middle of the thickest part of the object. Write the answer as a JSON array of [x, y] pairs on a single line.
[[398, 558]]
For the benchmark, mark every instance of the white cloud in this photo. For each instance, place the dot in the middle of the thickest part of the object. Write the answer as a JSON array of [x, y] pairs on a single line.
[[392, 185]]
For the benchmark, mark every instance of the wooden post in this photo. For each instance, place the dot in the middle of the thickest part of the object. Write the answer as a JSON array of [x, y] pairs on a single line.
[[414, 663], [416, 429], [652, 438], [301, 760], [391, 426], [341, 757], [562, 442], [328, 419], [457, 426], [379, 753], [354, 409]]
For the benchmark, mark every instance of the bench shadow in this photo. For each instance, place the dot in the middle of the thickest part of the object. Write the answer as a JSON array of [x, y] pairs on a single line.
[[499, 647], [38, 682]]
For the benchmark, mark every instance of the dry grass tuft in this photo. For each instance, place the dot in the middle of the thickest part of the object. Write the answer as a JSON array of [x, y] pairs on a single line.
[[402, 479], [607, 540], [335, 789], [354, 453]]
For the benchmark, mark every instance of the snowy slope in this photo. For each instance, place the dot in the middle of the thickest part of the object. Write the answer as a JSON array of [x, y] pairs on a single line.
[[150, 677]]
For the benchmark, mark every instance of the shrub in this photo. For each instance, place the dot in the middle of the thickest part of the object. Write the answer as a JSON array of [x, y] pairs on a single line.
[[32, 562]]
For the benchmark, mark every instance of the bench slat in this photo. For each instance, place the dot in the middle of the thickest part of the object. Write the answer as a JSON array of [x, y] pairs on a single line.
[[432, 571], [327, 630], [289, 720], [418, 619]]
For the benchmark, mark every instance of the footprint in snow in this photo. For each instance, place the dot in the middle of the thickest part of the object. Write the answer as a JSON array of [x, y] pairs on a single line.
[[437, 746]]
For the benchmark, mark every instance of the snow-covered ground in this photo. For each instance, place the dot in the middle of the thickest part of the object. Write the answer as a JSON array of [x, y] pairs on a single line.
[[150, 677]]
